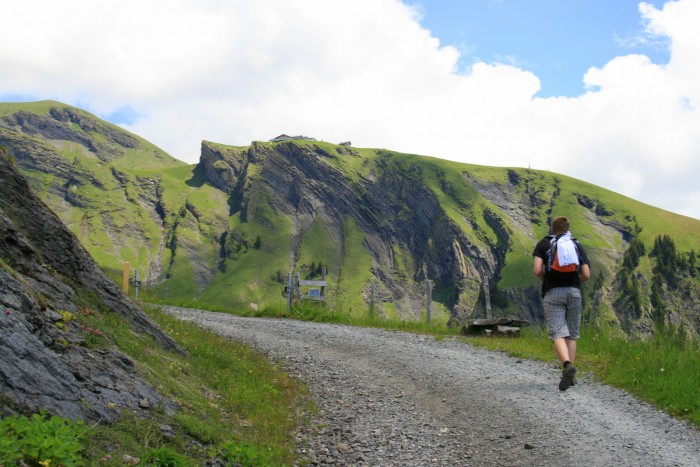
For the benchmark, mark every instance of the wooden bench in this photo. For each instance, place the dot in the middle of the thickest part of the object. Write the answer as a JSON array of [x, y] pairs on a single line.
[[494, 327]]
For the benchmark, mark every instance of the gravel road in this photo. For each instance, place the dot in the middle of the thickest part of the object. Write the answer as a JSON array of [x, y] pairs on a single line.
[[390, 398]]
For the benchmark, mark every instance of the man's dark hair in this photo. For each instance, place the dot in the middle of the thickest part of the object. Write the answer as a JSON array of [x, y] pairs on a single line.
[[560, 225]]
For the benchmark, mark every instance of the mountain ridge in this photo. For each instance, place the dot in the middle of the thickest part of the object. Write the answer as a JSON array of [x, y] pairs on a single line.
[[228, 229]]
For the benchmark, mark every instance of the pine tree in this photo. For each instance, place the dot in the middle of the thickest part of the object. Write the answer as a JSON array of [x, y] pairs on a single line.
[[692, 263], [635, 251], [657, 297], [664, 252]]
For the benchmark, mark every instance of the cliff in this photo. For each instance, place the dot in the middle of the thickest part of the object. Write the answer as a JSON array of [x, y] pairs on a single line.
[[226, 231], [46, 280]]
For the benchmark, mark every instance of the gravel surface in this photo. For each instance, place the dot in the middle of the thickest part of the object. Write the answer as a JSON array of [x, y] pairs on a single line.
[[390, 398]]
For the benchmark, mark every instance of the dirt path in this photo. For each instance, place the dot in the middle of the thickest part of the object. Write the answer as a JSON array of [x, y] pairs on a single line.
[[393, 398]]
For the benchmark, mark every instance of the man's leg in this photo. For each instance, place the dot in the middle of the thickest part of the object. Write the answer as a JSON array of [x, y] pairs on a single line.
[[555, 312], [571, 347], [561, 347]]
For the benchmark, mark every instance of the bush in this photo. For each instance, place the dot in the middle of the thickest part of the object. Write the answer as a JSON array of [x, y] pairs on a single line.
[[40, 440], [247, 455], [164, 457]]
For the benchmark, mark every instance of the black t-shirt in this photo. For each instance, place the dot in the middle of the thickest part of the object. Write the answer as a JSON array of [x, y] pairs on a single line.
[[553, 279]]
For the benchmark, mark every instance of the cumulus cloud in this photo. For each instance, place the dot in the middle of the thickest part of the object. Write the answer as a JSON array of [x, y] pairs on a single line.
[[361, 70]]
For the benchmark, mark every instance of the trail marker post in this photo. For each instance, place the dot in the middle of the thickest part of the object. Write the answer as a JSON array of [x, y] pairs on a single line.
[[316, 291], [125, 278]]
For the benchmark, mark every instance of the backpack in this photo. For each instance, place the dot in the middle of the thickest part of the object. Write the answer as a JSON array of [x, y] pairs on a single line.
[[553, 258]]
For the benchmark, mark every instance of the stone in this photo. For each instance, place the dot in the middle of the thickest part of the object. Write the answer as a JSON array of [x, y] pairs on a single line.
[[44, 261]]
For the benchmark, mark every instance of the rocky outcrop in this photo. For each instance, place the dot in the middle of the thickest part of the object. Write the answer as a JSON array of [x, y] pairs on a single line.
[[395, 211], [68, 124], [229, 231], [43, 271], [223, 166]]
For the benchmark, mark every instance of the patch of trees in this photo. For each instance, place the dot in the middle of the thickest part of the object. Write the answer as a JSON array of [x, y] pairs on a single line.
[[636, 250], [670, 268], [630, 282], [672, 265]]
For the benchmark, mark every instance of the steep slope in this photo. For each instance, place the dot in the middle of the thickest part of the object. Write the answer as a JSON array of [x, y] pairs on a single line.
[[46, 277], [120, 195], [405, 218], [228, 230]]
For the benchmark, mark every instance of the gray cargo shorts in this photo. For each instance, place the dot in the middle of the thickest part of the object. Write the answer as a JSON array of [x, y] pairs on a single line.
[[562, 311]]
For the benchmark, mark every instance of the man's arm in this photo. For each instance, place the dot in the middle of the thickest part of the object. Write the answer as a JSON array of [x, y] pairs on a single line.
[[585, 273], [538, 268]]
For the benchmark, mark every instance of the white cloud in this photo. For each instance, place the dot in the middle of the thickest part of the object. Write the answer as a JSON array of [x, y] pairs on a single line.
[[361, 70]]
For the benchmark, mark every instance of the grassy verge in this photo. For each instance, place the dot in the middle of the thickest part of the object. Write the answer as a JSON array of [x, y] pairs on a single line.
[[233, 405], [663, 370], [318, 312]]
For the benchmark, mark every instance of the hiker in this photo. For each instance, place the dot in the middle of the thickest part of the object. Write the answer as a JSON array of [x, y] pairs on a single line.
[[562, 265]]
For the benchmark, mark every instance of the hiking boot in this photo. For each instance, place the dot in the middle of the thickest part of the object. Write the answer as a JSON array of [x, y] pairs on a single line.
[[568, 378]]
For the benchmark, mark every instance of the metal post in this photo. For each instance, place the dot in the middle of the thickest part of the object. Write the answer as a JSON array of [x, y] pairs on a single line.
[[487, 296], [137, 284], [596, 305], [290, 283], [429, 285], [323, 278], [373, 288]]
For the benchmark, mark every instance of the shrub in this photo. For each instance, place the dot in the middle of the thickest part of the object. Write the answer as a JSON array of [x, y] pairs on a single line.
[[164, 457], [40, 440], [247, 455]]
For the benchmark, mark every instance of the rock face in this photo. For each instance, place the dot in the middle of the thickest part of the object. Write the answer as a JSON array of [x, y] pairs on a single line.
[[46, 364], [228, 230]]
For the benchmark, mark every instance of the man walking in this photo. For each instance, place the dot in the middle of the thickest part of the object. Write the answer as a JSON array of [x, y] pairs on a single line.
[[562, 265]]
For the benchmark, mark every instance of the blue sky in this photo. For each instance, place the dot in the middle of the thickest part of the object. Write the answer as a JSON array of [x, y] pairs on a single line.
[[604, 91], [558, 40]]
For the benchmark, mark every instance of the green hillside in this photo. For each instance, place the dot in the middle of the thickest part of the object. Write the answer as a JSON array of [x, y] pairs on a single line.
[[225, 232]]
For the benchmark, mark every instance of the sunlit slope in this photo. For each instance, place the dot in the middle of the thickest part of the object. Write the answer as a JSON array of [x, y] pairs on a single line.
[[228, 230]]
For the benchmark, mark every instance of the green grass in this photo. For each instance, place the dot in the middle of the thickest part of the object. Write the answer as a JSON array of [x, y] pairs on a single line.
[[227, 396], [233, 405], [663, 370]]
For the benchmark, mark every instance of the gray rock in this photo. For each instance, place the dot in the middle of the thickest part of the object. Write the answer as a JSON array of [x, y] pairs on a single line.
[[45, 363]]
